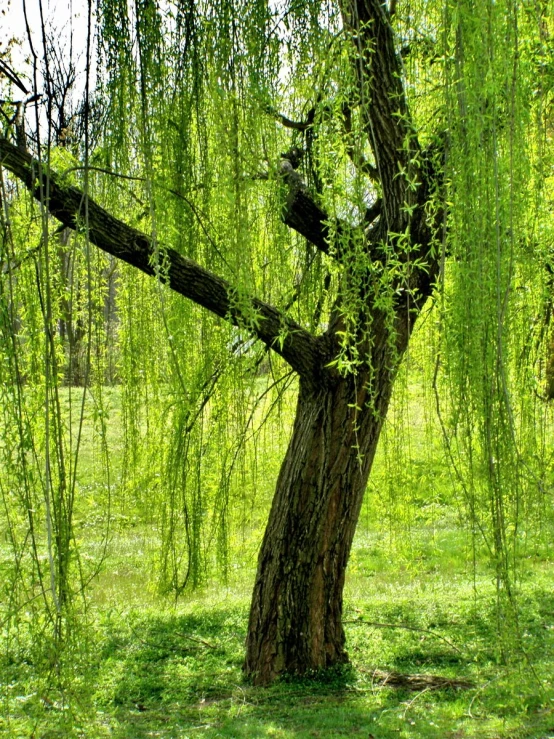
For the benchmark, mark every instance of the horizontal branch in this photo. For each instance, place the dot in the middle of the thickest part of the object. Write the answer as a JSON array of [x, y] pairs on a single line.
[[69, 205], [287, 122]]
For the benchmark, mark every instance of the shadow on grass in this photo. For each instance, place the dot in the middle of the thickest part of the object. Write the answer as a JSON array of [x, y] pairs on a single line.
[[181, 676]]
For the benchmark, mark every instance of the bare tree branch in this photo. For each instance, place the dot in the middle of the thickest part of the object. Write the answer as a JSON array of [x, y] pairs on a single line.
[[287, 122], [66, 203], [12, 76]]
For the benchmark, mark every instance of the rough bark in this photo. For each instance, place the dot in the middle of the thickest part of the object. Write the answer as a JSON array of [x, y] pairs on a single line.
[[296, 615], [383, 106]]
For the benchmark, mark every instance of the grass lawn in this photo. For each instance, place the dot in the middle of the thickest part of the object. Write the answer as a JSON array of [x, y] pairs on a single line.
[[140, 664], [144, 667]]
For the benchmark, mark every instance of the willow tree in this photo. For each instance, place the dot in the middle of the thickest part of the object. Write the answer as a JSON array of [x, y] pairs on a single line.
[[201, 101]]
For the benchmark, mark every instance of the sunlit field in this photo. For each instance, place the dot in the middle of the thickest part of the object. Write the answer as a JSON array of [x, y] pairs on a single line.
[[429, 654]]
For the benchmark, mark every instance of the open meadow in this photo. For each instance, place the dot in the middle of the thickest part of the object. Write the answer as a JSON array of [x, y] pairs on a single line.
[[429, 657]]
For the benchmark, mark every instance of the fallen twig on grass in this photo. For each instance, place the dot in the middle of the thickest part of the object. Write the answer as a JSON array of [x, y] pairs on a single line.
[[479, 690], [163, 645], [196, 639], [380, 625], [411, 703], [416, 681]]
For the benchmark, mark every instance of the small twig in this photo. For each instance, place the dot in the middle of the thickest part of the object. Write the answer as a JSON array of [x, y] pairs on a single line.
[[356, 157], [197, 639], [16, 264], [102, 170], [244, 702], [411, 703], [479, 690], [177, 194], [12, 76], [158, 645], [378, 624]]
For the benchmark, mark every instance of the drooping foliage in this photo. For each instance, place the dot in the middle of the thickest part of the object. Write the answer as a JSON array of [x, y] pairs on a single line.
[[181, 135], [494, 290]]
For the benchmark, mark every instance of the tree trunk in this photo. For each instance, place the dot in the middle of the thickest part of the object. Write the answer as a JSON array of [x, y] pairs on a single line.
[[296, 615]]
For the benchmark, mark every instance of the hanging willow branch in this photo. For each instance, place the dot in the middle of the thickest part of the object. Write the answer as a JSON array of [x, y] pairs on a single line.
[[296, 345]]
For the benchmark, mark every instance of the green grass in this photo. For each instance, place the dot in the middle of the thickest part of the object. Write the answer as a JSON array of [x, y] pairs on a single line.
[[144, 667], [420, 599]]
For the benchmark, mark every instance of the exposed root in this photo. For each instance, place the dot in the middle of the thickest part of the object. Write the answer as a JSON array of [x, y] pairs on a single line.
[[418, 681]]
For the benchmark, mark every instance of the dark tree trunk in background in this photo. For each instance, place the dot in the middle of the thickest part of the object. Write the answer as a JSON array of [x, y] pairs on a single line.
[[72, 328]]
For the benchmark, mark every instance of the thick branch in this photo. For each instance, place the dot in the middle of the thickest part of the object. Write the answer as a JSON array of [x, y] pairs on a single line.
[[383, 102], [287, 122], [296, 345], [305, 216]]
